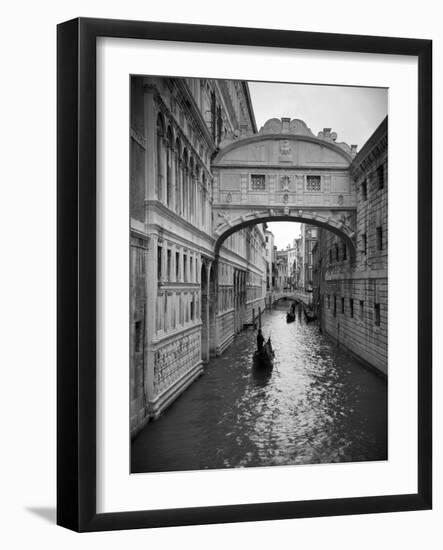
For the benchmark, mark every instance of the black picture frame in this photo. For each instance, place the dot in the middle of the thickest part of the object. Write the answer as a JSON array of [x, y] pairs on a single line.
[[76, 294]]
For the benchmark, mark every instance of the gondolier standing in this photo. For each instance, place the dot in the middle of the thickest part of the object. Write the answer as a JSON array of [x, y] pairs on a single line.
[[260, 340]]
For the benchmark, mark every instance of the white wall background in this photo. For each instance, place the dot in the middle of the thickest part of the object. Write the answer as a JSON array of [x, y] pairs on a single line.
[[27, 290]]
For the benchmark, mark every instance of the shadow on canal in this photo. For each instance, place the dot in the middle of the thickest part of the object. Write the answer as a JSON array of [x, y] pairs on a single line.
[[317, 405]]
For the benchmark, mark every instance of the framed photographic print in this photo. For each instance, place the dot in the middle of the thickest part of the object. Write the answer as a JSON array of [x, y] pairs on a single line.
[[239, 335]]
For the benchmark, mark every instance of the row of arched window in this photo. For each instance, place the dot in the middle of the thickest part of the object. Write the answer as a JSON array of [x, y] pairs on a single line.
[[180, 181]]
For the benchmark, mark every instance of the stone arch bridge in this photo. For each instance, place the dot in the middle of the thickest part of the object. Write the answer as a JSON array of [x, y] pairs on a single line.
[[284, 173]]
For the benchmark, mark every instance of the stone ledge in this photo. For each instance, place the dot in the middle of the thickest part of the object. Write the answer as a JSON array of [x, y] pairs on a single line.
[[162, 402]]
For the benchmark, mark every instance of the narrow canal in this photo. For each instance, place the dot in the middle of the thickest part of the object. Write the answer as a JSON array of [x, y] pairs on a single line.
[[317, 405]]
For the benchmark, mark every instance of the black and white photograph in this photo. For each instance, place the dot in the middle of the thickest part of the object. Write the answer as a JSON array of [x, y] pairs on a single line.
[[258, 274], [221, 284]]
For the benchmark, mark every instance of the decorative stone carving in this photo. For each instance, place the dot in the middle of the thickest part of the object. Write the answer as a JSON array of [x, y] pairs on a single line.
[[284, 126], [299, 127], [285, 198], [340, 200], [174, 359], [284, 183], [223, 218], [138, 138], [285, 148]]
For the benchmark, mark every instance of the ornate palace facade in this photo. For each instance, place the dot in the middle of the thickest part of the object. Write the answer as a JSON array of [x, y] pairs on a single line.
[[186, 303]]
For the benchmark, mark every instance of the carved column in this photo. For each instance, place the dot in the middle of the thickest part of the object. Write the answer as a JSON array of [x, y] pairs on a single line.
[[272, 191], [244, 181]]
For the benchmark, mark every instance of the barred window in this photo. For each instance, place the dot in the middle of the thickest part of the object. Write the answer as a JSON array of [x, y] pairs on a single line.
[[313, 183], [364, 243], [381, 176], [379, 236], [364, 191], [258, 182], [377, 315]]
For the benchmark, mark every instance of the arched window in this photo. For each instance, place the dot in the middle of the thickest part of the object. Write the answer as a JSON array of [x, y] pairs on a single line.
[[185, 184], [198, 196], [169, 167], [203, 199], [178, 182], [160, 156], [191, 188]]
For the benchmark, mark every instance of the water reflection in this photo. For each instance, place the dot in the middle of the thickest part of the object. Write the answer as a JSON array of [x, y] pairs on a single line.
[[316, 405], [261, 375]]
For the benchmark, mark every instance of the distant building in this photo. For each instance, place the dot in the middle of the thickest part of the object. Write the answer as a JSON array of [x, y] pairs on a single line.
[[282, 270], [270, 260], [309, 235]]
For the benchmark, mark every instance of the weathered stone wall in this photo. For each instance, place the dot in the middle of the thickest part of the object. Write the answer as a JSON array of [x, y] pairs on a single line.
[[138, 332], [354, 295]]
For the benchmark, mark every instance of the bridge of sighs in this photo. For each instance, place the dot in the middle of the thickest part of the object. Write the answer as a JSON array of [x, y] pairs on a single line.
[[284, 173]]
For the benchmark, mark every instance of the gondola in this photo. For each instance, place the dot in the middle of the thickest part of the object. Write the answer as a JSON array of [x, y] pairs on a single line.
[[290, 317], [309, 315], [265, 357]]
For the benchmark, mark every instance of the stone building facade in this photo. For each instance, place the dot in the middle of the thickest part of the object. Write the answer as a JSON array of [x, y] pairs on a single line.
[[186, 303], [295, 263], [309, 235], [282, 270], [352, 296]]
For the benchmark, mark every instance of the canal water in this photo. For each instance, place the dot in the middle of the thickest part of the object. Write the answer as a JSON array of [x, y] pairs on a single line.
[[318, 405]]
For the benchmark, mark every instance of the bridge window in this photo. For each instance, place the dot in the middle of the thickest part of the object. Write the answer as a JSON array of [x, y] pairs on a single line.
[[329, 301], [362, 308], [258, 182], [351, 306], [345, 252], [313, 183], [335, 306], [343, 305]]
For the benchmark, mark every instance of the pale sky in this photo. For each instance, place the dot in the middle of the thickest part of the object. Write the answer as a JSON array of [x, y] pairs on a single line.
[[353, 113]]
